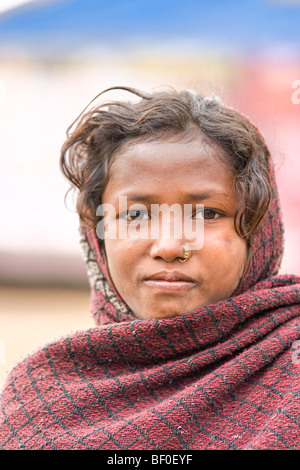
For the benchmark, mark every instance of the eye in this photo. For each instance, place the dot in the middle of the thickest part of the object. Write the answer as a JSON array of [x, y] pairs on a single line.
[[207, 214], [210, 214], [135, 215]]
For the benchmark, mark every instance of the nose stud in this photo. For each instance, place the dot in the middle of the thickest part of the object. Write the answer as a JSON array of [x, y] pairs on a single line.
[[185, 255]]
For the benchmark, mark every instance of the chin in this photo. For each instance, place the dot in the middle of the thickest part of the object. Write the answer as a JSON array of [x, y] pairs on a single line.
[[157, 314], [163, 313]]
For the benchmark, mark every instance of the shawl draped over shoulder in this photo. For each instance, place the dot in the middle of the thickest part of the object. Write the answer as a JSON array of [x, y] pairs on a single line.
[[223, 377]]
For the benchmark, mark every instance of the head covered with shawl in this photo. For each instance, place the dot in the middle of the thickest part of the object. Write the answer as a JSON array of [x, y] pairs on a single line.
[[193, 347], [203, 143]]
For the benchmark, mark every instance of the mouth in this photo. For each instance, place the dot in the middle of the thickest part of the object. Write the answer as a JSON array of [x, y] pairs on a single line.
[[169, 282]]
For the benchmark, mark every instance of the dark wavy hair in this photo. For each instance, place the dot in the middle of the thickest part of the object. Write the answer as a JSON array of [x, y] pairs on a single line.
[[98, 134]]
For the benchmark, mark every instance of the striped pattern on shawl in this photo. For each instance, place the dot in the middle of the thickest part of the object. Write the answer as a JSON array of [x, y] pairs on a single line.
[[224, 377]]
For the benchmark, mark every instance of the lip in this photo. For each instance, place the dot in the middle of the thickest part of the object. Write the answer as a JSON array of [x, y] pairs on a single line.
[[169, 282], [169, 276]]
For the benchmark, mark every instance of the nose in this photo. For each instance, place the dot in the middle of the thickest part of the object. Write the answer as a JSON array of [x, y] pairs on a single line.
[[168, 250]]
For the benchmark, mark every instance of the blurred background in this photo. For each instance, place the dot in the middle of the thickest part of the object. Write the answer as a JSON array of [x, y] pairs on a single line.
[[55, 56]]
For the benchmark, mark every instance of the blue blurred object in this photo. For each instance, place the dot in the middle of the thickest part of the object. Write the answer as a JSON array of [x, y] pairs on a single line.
[[250, 23]]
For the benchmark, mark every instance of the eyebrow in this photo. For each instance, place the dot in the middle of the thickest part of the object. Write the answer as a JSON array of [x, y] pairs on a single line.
[[189, 196]]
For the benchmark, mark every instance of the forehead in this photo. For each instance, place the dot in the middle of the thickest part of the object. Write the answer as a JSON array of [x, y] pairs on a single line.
[[170, 148], [179, 163]]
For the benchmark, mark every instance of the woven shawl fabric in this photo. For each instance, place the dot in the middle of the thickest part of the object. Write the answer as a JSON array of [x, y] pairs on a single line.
[[224, 377]]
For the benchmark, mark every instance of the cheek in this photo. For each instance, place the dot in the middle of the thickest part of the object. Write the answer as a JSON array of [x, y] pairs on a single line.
[[117, 256], [234, 245], [235, 250], [121, 257], [227, 251]]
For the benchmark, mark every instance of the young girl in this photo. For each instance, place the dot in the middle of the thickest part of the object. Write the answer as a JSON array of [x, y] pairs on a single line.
[[194, 344]]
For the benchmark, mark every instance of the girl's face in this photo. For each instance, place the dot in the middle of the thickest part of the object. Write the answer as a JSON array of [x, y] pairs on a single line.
[[146, 271]]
